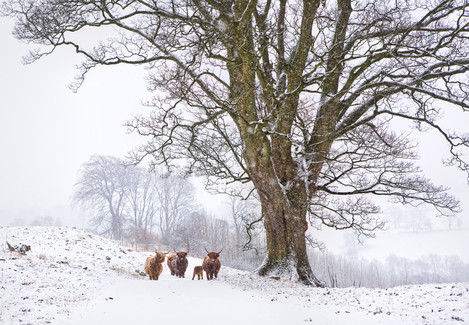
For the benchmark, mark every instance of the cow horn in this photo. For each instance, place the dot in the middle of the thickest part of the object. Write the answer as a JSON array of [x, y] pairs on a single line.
[[220, 251], [206, 250]]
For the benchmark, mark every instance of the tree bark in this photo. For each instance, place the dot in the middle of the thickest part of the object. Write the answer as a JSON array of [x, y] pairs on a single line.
[[268, 158], [284, 211], [285, 224]]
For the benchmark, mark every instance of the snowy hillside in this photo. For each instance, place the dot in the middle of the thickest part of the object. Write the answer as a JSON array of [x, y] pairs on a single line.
[[74, 277]]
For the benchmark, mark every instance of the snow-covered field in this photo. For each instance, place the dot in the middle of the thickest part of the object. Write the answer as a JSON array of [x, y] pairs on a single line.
[[74, 277]]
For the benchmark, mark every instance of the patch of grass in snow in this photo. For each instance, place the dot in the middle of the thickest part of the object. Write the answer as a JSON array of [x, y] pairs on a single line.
[[124, 271]]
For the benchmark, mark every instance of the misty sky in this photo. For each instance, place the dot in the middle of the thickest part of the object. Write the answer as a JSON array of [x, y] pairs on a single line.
[[47, 131]]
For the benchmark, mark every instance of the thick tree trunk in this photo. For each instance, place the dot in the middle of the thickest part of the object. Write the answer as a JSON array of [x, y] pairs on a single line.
[[285, 226], [284, 219], [268, 158]]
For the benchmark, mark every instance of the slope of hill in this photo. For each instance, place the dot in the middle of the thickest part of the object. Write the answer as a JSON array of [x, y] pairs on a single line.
[[74, 277]]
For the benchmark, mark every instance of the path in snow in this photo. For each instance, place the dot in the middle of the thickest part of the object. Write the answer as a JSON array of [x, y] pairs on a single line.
[[183, 301]]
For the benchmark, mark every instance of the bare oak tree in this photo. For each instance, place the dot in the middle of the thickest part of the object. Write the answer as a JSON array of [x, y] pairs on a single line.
[[299, 97], [102, 187], [175, 198], [142, 206]]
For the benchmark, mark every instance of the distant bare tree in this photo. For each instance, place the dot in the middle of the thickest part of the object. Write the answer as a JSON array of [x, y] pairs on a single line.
[[101, 187], [141, 195], [193, 233], [175, 197], [297, 97], [246, 219], [238, 209]]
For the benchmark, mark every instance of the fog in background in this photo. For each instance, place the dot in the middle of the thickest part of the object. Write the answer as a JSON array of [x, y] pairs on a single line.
[[47, 132]]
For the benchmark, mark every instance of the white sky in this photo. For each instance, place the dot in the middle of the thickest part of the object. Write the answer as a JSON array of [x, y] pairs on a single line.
[[47, 131]]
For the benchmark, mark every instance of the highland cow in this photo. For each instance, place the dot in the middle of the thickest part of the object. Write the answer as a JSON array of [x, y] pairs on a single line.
[[181, 263], [211, 264], [199, 271], [154, 265], [172, 268]]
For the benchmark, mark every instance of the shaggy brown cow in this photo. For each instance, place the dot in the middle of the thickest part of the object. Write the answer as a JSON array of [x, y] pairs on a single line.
[[181, 263], [199, 271], [172, 268], [211, 264], [154, 265]]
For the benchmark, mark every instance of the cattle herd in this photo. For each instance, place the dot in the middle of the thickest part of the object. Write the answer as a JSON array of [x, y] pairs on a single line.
[[177, 264]]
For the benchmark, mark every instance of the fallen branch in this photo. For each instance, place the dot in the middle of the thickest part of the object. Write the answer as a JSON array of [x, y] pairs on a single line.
[[22, 248]]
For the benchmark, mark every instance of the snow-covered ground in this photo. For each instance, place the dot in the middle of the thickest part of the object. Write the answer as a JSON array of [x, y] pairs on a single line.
[[73, 277]]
